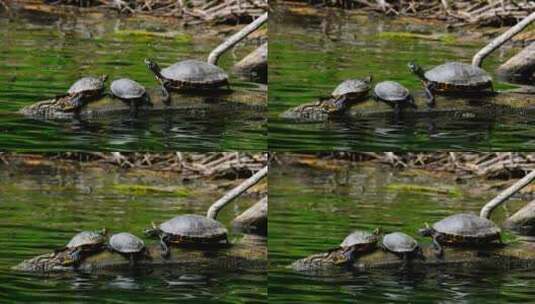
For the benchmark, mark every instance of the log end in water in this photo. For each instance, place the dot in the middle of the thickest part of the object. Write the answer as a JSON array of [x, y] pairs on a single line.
[[254, 66]]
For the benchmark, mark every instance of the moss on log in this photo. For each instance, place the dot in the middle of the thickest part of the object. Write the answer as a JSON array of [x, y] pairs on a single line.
[[250, 253], [211, 101], [520, 255]]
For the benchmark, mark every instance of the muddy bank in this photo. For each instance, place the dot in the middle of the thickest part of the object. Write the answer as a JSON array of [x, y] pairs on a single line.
[[250, 253]]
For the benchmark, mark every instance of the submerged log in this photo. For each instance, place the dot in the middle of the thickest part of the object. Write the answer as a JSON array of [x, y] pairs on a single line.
[[254, 66], [222, 100], [521, 67], [250, 253], [520, 255], [523, 221], [253, 219]]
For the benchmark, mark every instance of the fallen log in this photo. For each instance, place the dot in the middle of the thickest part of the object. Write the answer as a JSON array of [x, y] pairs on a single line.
[[224, 101], [519, 68], [523, 221], [254, 66], [250, 253], [253, 219], [520, 255]]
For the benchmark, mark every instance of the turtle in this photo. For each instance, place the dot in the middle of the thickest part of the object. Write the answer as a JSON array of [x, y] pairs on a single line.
[[402, 245], [358, 242], [189, 229], [127, 244], [393, 94], [83, 244], [130, 92], [83, 91], [345, 95], [452, 77], [188, 74], [462, 229]]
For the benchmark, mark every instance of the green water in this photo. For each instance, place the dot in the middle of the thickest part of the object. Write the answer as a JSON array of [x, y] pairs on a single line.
[[42, 207], [312, 210], [42, 55], [310, 55]]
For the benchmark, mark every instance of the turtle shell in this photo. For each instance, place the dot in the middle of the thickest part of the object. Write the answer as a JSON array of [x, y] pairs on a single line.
[[351, 86], [127, 89], [391, 91], [399, 242], [458, 74], [194, 72], [194, 226], [466, 225], [87, 84], [125, 242], [359, 237], [85, 238]]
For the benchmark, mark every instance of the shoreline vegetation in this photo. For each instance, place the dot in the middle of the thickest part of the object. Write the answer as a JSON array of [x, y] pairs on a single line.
[[189, 12]]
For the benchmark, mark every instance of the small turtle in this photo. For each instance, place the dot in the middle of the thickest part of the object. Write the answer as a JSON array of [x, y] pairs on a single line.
[[82, 92], [130, 92], [345, 95], [357, 242], [394, 95], [83, 244], [189, 229], [452, 77], [127, 244], [463, 229], [402, 245], [188, 74]]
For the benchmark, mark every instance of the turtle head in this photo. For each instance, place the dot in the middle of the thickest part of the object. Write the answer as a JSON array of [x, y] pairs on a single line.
[[152, 231], [103, 78], [378, 231], [153, 66], [368, 79], [103, 231], [427, 231], [416, 69]]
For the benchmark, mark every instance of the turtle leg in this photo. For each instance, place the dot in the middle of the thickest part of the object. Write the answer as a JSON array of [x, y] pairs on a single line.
[[165, 93], [429, 94], [77, 102], [131, 258], [437, 248], [397, 109], [405, 258], [412, 103], [420, 254], [165, 248], [76, 256], [349, 255]]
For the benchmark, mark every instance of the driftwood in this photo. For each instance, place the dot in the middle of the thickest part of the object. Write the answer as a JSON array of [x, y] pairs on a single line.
[[523, 221], [250, 253], [520, 255], [253, 219], [255, 65], [519, 68], [507, 193], [232, 194], [237, 37], [500, 40]]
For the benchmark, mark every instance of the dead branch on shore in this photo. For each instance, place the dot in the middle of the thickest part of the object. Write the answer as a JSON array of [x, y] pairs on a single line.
[[461, 12], [188, 164]]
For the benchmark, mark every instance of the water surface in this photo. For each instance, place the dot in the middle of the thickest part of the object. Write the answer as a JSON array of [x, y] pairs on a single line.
[[312, 210], [42, 208]]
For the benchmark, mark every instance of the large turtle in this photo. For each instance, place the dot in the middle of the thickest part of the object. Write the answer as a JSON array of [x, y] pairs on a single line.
[[452, 77], [128, 245], [188, 74], [394, 95], [82, 245], [130, 92], [189, 229], [345, 95], [83, 91], [402, 245], [463, 229]]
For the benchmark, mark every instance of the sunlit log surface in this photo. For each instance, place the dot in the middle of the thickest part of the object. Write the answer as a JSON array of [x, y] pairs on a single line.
[[250, 253]]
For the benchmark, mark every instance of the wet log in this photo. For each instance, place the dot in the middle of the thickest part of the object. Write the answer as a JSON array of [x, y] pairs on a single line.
[[250, 253], [520, 255], [208, 102], [452, 108], [523, 221], [254, 66], [253, 219], [519, 68]]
